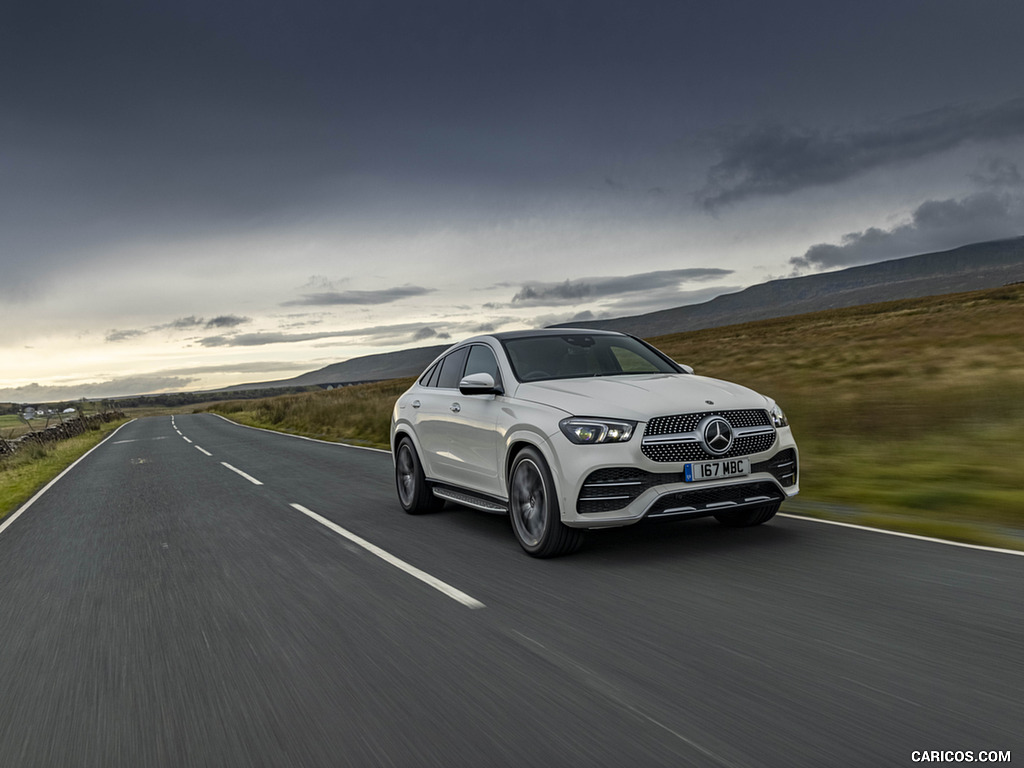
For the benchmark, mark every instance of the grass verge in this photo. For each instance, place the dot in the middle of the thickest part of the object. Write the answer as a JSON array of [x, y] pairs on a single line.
[[359, 415], [908, 414], [24, 473]]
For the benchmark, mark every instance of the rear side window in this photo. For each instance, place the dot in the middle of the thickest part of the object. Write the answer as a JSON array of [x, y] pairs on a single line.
[[431, 373], [451, 369]]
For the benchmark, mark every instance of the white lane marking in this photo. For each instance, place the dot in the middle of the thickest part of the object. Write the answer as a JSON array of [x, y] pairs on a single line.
[[905, 535], [301, 437], [250, 478], [201, 450], [21, 510], [426, 578], [138, 440], [186, 439]]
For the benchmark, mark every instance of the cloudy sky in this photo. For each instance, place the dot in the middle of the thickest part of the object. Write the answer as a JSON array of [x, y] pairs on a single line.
[[197, 194]]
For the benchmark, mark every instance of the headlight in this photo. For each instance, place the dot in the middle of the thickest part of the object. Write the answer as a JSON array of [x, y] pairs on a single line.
[[778, 417], [586, 431]]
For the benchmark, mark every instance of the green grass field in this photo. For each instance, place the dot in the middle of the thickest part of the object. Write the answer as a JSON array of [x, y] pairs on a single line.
[[908, 414], [11, 426]]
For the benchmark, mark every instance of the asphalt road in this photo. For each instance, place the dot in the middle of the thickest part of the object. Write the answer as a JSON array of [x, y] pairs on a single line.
[[158, 608]]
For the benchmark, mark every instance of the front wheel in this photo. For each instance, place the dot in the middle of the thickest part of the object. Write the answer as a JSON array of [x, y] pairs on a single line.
[[533, 508], [749, 517], [414, 493]]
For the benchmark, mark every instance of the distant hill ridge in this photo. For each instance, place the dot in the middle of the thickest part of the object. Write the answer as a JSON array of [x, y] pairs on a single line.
[[971, 267]]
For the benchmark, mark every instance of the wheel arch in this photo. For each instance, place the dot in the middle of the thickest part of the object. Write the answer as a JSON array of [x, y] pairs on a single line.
[[542, 444]]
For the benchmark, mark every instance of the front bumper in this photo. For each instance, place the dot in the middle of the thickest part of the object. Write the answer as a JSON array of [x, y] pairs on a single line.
[[627, 486]]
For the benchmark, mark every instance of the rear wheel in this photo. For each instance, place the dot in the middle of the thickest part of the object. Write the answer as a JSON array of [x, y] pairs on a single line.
[[747, 518], [414, 493], [533, 508]]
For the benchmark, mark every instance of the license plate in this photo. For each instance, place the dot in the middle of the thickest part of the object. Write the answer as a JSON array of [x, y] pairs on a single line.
[[716, 470]]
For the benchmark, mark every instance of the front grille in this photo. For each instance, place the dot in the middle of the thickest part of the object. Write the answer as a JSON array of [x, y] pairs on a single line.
[[687, 422], [742, 446], [689, 448], [706, 501]]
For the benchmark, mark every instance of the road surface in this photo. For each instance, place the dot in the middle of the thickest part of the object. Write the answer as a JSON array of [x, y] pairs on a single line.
[[196, 593]]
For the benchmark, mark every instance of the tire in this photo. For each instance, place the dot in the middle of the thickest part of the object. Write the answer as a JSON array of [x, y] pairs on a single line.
[[748, 518], [414, 492], [533, 508]]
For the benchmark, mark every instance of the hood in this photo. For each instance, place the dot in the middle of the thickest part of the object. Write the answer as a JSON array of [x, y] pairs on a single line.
[[640, 397]]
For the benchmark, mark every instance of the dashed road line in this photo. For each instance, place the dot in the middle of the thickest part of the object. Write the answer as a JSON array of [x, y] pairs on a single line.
[[186, 439], [248, 477], [446, 589], [203, 450]]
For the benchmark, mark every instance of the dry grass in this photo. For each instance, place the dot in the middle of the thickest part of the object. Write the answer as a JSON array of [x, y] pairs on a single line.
[[908, 412], [359, 414]]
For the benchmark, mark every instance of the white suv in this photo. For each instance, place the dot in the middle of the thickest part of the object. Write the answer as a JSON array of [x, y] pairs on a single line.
[[567, 429]]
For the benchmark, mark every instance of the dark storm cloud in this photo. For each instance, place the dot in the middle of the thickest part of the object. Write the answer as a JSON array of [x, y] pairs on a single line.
[[263, 338], [590, 288], [398, 332], [181, 324], [778, 160], [935, 225], [997, 172], [116, 335], [429, 333], [383, 296], [130, 122], [226, 321]]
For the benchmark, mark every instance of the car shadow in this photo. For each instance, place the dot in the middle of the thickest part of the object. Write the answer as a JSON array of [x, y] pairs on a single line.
[[664, 539]]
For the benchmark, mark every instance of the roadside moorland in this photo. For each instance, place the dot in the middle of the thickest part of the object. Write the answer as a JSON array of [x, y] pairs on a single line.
[[908, 413], [28, 470]]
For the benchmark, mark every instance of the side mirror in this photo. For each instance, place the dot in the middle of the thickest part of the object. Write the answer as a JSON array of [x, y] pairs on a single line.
[[479, 384], [685, 367]]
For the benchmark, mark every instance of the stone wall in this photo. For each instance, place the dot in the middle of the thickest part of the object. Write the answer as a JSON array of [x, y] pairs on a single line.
[[56, 432]]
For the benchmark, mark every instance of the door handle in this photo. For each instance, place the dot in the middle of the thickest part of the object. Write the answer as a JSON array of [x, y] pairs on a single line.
[[415, 403], [456, 408]]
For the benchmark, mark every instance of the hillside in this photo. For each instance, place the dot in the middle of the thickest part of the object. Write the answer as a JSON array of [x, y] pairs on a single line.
[[390, 365], [972, 267]]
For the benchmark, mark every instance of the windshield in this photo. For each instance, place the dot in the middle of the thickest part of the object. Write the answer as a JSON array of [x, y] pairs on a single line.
[[539, 358]]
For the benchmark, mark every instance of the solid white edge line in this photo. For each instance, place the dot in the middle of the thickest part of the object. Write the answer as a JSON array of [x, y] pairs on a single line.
[[426, 578], [17, 513], [301, 437], [203, 450], [250, 478], [903, 535]]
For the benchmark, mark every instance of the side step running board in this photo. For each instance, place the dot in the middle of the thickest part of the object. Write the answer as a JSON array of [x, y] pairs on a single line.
[[461, 497]]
